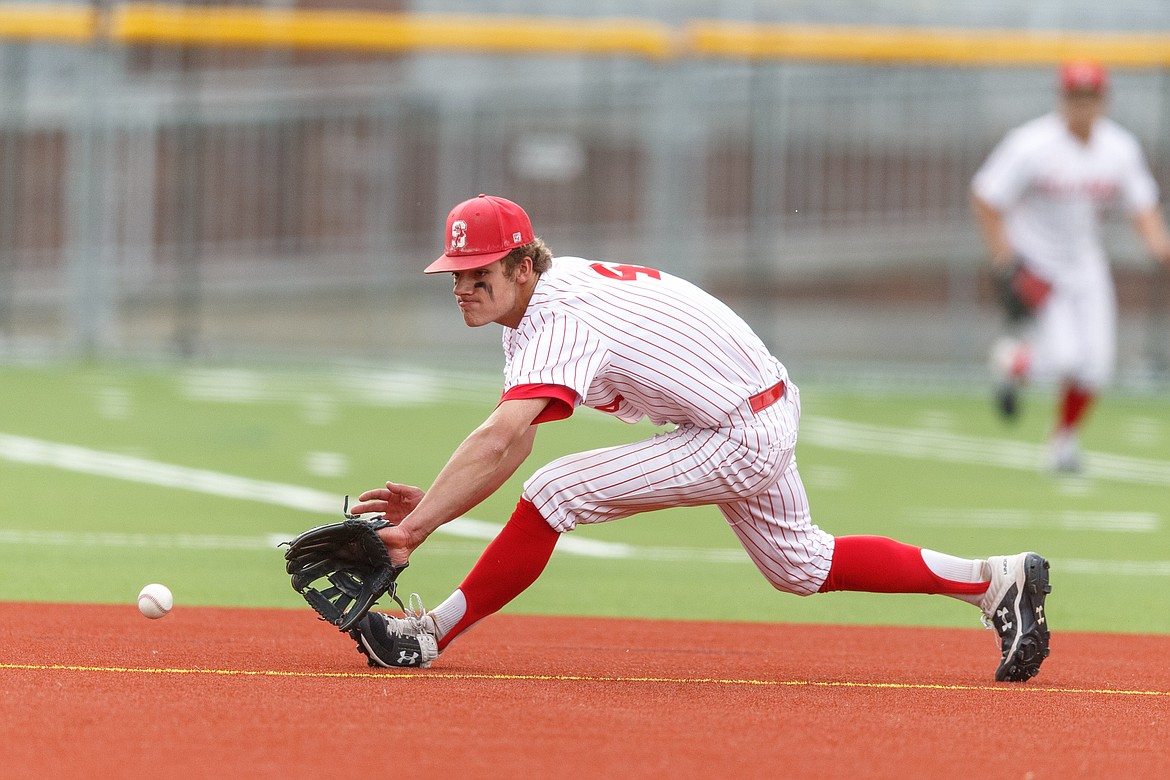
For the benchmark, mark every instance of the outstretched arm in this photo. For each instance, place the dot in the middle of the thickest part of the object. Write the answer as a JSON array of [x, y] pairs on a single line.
[[991, 224], [1152, 229], [478, 467]]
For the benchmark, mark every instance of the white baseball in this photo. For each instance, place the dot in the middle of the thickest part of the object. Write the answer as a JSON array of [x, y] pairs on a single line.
[[155, 601]]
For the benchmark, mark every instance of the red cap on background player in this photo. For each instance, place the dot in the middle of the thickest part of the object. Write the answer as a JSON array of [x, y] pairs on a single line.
[[480, 231], [1083, 76]]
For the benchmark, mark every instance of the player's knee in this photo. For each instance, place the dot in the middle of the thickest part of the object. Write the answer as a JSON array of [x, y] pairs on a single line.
[[797, 586], [1093, 378], [561, 513]]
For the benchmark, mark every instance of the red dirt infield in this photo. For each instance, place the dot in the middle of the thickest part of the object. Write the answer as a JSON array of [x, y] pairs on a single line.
[[100, 691]]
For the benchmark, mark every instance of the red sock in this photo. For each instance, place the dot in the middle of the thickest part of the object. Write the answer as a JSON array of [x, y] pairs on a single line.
[[1073, 406], [511, 563], [876, 564]]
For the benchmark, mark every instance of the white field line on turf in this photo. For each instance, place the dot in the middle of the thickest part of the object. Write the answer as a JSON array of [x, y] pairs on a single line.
[[68, 457], [591, 548], [1116, 522], [268, 542], [403, 386], [925, 444], [823, 432]]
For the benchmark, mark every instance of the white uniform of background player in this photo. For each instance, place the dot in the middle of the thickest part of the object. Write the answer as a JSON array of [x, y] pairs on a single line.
[[636, 342], [1040, 197]]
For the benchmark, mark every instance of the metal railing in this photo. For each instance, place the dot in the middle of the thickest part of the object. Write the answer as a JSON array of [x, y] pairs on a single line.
[[234, 197]]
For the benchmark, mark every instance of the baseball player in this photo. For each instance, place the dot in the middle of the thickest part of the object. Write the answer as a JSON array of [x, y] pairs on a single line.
[[1039, 199], [634, 342]]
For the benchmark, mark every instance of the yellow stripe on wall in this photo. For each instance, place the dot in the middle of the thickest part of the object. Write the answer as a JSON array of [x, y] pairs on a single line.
[[159, 23], [927, 46], [47, 22], [388, 32]]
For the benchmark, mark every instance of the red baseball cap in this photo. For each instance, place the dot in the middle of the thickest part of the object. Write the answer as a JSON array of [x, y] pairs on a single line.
[[480, 231], [1083, 76]]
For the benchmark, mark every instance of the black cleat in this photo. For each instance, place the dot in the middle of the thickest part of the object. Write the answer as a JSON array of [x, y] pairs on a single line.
[[394, 642], [1007, 401], [1014, 607]]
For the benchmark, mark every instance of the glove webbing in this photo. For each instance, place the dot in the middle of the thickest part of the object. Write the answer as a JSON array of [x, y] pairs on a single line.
[[337, 599]]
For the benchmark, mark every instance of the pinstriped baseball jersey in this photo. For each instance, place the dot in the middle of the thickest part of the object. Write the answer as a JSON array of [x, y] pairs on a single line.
[[637, 342], [748, 472]]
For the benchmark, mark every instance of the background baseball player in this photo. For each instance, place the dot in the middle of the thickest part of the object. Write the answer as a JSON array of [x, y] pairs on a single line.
[[636, 342], [1039, 199]]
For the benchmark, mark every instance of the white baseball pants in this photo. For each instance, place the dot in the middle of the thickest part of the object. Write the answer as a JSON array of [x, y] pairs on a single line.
[[749, 473], [1075, 336]]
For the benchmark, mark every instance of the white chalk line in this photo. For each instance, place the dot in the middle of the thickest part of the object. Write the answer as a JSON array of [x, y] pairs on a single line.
[[68, 457], [825, 432], [403, 386], [585, 547], [604, 550], [952, 447], [1061, 520]]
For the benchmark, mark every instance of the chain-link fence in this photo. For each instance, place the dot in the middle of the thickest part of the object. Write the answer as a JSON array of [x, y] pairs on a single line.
[[259, 201]]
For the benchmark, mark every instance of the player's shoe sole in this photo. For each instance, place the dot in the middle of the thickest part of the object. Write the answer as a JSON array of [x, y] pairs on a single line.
[[1019, 617], [392, 642]]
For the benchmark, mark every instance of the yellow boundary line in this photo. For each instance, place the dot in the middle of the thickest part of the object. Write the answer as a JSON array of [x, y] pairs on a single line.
[[934, 46], [225, 25], [392, 32], [388, 675], [57, 22]]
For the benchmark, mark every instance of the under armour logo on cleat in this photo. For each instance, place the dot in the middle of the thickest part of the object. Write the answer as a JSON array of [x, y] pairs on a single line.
[[1002, 614], [1040, 614], [407, 658]]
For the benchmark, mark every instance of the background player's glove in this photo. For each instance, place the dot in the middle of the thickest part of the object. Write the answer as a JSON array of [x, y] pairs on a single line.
[[1021, 292], [342, 569]]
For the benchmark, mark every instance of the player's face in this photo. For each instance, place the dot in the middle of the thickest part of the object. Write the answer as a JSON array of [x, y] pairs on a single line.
[[1082, 108], [488, 294]]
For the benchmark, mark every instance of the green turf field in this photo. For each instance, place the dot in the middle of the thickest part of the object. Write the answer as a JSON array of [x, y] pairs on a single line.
[[112, 477]]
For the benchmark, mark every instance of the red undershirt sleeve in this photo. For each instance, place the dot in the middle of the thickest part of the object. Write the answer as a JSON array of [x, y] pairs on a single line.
[[561, 400]]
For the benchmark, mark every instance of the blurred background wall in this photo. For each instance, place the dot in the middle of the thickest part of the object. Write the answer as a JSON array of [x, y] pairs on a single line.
[[265, 180]]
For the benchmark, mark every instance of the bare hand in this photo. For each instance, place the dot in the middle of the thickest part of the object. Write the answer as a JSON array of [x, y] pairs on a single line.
[[1164, 254], [400, 543], [1003, 259], [394, 502]]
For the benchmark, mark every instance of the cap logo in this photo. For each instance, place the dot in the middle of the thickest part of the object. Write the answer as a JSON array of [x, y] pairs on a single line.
[[458, 235], [480, 231]]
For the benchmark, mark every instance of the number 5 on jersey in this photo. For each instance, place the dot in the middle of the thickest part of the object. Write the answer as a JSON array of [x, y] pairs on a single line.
[[625, 273]]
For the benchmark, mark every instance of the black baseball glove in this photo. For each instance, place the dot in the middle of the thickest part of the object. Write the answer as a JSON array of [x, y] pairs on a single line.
[[1021, 292], [342, 569]]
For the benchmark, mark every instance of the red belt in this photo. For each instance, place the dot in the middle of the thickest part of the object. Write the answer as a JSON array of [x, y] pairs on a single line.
[[765, 398]]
